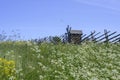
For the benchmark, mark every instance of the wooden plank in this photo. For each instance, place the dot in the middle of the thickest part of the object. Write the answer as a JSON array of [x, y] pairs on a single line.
[[117, 39], [101, 35], [108, 36], [86, 37]]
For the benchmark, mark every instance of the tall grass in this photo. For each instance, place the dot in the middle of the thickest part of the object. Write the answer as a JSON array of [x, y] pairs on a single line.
[[88, 61]]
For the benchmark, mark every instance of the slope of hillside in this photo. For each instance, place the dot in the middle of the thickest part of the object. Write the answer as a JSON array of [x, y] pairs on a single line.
[[88, 61]]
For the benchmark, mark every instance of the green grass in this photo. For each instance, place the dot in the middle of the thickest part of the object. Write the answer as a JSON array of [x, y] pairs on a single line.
[[88, 61]]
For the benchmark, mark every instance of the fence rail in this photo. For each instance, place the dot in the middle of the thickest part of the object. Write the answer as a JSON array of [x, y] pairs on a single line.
[[107, 36]]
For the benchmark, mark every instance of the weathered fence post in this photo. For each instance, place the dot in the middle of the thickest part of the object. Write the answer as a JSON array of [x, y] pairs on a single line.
[[106, 36], [92, 36]]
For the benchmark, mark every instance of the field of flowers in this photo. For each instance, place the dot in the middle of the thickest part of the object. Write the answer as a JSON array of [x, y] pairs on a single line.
[[23, 60]]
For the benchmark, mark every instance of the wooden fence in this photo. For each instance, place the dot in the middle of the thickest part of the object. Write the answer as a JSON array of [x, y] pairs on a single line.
[[107, 36]]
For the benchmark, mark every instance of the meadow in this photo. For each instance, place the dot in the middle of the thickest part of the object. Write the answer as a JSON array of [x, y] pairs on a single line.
[[24, 60]]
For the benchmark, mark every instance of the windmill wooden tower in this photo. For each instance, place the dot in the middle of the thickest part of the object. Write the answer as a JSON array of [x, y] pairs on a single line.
[[73, 36]]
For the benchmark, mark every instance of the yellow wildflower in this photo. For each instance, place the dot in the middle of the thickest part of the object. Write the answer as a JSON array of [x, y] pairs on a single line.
[[7, 67]]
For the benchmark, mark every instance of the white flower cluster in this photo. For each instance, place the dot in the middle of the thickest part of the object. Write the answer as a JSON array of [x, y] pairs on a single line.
[[88, 61]]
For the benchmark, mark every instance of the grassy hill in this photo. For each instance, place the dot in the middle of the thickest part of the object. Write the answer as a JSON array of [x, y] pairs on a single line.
[[88, 61]]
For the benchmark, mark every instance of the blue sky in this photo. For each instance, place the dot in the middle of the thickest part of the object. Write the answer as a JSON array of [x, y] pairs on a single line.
[[40, 18]]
